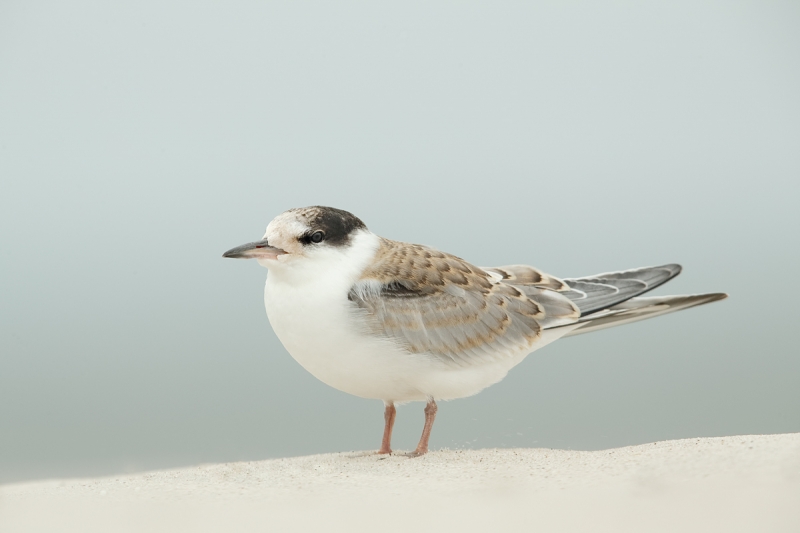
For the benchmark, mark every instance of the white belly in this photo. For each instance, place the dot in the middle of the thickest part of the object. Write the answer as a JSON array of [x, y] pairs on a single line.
[[314, 327]]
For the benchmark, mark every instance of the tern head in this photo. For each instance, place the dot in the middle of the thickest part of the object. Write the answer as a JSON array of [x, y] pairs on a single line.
[[303, 232]]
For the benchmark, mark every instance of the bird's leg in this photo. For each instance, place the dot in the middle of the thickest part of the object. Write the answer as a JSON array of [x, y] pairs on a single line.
[[430, 415], [388, 415]]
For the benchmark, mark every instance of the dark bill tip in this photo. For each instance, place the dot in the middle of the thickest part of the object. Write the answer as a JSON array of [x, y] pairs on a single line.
[[254, 250]]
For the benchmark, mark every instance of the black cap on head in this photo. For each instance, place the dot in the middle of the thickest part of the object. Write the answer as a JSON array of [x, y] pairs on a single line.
[[337, 225]]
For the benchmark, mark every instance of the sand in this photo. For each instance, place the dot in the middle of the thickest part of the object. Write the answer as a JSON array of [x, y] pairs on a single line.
[[741, 483]]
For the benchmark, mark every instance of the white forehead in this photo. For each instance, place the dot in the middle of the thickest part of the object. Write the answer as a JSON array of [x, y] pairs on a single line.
[[285, 226]]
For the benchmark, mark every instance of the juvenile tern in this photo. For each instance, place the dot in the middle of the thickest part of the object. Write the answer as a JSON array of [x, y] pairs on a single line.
[[403, 322]]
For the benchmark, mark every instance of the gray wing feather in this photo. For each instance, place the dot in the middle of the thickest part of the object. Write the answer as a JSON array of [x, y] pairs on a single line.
[[559, 310], [601, 291], [637, 309]]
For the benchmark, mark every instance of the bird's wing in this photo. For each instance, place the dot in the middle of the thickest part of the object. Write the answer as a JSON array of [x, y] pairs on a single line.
[[434, 303], [601, 291], [542, 288], [637, 309]]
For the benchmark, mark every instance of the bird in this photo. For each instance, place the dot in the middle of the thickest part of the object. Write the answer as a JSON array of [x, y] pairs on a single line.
[[399, 322]]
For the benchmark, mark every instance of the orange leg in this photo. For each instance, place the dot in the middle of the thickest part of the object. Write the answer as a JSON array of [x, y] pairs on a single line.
[[388, 415], [430, 415]]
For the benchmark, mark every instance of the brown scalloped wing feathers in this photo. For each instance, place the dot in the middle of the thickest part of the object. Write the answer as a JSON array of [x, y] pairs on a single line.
[[437, 303], [527, 275]]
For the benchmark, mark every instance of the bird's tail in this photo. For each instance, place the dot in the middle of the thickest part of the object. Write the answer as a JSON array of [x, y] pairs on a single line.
[[640, 308]]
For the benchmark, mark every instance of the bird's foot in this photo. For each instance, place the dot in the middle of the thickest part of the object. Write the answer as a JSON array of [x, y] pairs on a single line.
[[384, 451]]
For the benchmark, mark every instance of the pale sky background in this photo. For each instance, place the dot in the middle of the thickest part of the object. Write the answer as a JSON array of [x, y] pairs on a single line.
[[140, 140]]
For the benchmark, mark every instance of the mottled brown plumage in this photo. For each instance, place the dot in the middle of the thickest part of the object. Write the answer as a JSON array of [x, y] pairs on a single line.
[[436, 303], [527, 275]]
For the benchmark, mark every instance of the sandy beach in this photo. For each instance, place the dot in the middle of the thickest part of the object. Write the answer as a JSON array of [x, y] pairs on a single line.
[[739, 483]]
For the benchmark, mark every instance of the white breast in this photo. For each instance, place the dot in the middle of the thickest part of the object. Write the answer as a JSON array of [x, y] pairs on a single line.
[[307, 306]]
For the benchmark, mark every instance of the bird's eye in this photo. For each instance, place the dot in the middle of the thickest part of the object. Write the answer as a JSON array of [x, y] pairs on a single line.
[[317, 236]]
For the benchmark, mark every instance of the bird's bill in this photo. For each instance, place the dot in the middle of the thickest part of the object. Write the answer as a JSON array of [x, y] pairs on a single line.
[[254, 250]]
